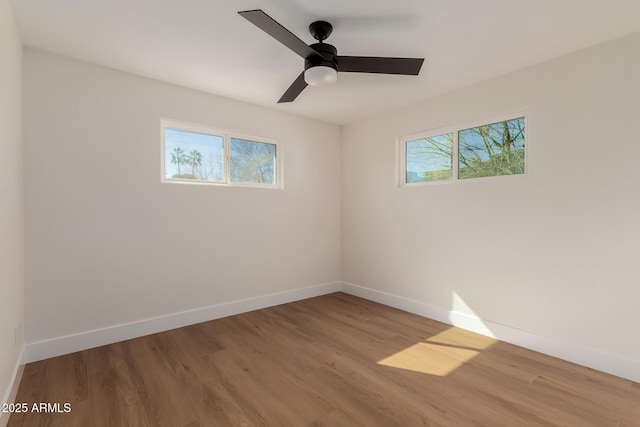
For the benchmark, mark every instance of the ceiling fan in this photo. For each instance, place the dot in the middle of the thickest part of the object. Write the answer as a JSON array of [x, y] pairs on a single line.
[[321, 60]]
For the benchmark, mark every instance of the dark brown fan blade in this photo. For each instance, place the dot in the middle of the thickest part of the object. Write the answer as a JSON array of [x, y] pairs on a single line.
[[294, 90], [274, 29], [372, 64]]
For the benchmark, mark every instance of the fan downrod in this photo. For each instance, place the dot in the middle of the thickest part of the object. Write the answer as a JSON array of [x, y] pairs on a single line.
[[320, 30]]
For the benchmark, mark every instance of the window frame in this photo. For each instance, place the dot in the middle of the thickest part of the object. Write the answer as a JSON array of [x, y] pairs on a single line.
[[226, 135], [455, 167]]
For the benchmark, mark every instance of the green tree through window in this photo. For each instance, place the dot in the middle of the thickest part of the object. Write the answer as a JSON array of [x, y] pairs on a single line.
[[178, 157], [492, 150]]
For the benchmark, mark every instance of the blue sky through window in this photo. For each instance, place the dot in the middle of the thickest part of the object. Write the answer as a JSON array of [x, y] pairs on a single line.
[[209, 146], [429, 159]]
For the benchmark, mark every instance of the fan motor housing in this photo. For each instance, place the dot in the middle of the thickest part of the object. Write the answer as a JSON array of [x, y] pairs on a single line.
[[327, 57]]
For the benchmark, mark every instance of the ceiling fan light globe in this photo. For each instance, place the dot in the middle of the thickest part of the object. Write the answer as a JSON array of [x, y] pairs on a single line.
[[320, 75]]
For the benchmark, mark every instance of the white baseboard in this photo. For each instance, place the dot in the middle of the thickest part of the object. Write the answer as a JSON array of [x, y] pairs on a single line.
[[84, 340], [572, 352], [593, 358], [12, 390]]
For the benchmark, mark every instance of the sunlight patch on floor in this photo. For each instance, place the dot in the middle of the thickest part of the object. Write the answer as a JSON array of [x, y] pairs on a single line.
[[441, 354]]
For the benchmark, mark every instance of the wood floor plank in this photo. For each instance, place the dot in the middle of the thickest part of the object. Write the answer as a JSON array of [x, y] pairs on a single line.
[[336, 418], [238, 373], [114, 400], [30, 391], [335, 360]]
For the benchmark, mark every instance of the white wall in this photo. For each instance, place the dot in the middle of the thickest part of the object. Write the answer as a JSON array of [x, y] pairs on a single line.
[[553, 253], [11, 201], [107, 243]]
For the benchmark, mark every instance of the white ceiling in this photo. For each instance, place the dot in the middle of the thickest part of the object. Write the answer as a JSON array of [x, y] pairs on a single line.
[[206, 45]]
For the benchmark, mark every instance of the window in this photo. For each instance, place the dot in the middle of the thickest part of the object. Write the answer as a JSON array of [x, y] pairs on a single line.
[[252, 161], [193, 156], [429, 158], [197, 154], [493, 149]]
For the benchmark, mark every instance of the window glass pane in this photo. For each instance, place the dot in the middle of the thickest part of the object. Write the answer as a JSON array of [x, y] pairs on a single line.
[[252, 161], [193, 156], [492, 150], [429, 159]]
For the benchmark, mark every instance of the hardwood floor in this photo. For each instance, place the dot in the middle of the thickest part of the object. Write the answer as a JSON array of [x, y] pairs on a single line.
[[334, 360]]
